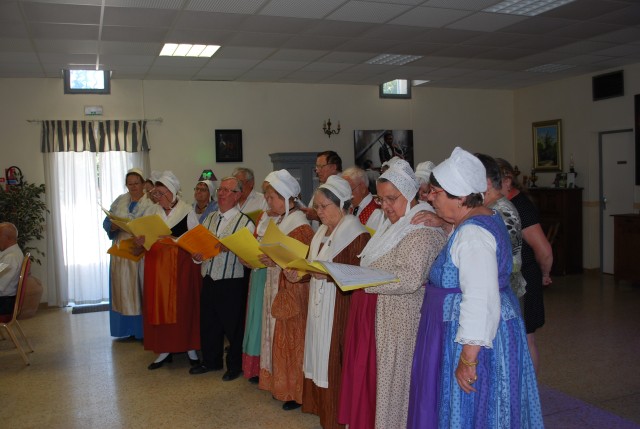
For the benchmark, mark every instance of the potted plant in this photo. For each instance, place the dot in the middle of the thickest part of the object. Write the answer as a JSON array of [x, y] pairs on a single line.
[[23, 205]]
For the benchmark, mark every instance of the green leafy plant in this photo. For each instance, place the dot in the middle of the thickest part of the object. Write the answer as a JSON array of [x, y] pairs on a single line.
[[24, 206]]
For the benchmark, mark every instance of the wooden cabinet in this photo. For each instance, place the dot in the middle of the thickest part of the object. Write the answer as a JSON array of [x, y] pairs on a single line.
[[626, 247], [302, 166], [561, 209]]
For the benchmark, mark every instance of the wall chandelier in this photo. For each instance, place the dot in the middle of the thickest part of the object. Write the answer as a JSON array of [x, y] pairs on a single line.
[[326, 127]]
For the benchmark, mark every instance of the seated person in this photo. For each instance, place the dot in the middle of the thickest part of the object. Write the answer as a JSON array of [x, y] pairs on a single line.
[[11, 255]]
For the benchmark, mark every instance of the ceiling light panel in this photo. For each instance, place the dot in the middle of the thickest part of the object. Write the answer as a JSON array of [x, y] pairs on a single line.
[[188, 50], [393, 59], [526, 7]]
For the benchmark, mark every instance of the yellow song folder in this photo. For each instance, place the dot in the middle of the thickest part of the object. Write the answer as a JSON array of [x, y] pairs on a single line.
[[114, 217], [245, 246], [280, 247], [152, 227], [198, 240], [124, 250], [254, 215]]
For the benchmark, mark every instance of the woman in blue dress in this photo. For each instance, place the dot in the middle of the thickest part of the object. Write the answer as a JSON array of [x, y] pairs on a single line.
[[471, 366]]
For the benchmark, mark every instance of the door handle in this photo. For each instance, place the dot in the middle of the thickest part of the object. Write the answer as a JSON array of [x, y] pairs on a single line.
[[604, 203]]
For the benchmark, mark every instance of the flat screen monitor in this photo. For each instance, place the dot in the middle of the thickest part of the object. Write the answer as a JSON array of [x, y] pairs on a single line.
[[87, 81]]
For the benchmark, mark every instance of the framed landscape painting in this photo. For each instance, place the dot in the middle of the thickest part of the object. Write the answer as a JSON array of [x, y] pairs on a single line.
[[547, 145]]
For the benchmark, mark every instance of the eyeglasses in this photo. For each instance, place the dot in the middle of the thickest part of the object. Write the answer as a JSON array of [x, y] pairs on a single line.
[[434, 191], [317, 207], [134, 184], [226, 190], [159, 194], [356, 187], [388, 200], [198, 189]]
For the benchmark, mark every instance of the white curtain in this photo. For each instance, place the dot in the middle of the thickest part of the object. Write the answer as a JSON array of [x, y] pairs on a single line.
[[78, 184]]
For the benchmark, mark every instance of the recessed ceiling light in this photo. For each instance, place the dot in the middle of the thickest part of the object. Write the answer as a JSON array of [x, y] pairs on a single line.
[[393, 59], [188, 50], [550, 68], [526, 7]]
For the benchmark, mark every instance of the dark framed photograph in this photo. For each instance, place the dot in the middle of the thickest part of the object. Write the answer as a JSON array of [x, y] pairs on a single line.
[[228, 145], [373, 147], [547, 145]]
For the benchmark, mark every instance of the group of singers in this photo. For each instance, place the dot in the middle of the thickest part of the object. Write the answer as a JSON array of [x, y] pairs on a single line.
[[443, 346]]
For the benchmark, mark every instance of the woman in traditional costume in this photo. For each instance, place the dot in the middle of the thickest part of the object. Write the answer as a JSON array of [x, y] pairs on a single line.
[[172, 282], [125, 289], [407, 251], [285, 303], [252, 340], [471, 366], [340, 238], [203, 204]]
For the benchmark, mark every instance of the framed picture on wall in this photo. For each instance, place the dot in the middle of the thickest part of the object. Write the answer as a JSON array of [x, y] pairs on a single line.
[[228, 145], [373, 147], [547, 145]]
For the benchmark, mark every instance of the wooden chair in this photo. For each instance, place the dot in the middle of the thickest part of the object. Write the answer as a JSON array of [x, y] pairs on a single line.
[[552, 232], [9, 321]]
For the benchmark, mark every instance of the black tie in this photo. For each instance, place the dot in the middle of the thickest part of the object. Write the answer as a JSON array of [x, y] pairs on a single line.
[[355, 210]]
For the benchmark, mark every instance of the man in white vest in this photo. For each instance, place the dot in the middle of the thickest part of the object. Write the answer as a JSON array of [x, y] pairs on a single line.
[[223, 299]]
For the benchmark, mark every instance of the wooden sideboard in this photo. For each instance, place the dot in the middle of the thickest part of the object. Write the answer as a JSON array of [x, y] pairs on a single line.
[[561, 208], [626, 247]]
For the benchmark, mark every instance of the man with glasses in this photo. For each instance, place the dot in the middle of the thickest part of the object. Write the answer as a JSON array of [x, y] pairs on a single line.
[[223, 299], [362, 203], [328, 163]]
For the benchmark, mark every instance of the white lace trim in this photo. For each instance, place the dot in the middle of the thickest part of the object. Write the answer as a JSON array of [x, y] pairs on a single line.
[[481, 343]]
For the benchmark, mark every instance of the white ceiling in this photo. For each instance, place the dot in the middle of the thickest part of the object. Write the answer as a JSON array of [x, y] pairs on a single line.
[[318, 41]]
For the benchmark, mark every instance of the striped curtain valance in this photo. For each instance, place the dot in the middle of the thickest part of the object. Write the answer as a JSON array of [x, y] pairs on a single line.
[[94, 136]]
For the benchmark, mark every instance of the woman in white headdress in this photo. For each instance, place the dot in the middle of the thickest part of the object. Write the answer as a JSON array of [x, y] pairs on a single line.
[[340, 238], [407, 251], [204, 202], [125, 292], [285, 303], [423, 172], [172, 282], [471, 365]]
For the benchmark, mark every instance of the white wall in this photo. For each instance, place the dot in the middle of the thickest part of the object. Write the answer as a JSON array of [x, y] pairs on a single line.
[[582, 120], [273, 118], [288, 118]]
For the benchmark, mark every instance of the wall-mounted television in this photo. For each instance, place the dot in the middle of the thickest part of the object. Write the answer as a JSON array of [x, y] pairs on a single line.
[[87, 81], [608, 85]]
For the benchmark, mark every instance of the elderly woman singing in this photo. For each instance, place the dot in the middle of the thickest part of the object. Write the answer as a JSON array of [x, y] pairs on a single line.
[[471, 366], [407, 251]]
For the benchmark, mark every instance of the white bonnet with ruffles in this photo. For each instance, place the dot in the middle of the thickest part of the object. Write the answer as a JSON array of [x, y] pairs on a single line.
[[136, 171], [339, 187], [285, 184], [403, 178], [423, 171], [461, 174], [171, 182]]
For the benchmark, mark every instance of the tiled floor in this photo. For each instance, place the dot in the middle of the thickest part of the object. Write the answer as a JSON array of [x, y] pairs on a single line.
[[81, 378]]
